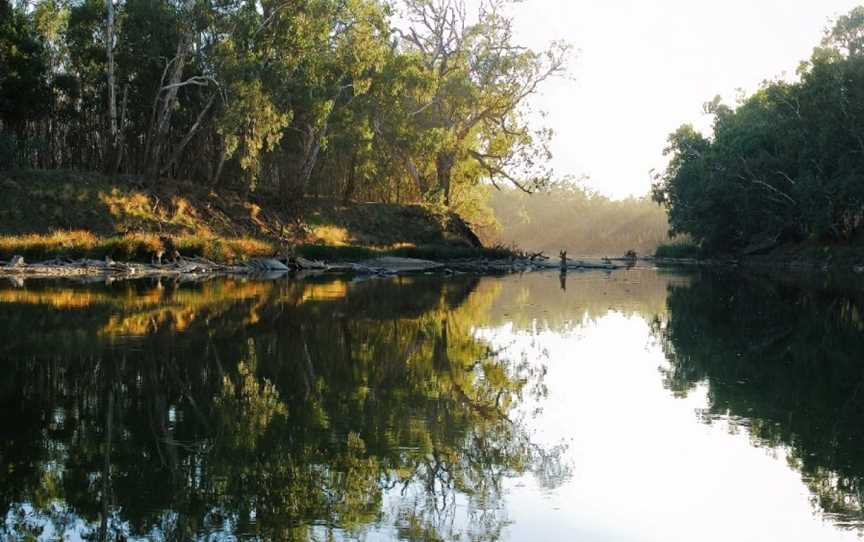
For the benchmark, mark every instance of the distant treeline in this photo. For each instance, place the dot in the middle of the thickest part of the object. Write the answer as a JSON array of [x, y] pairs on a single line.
[[568, 216], [784, 166], [415, 100]]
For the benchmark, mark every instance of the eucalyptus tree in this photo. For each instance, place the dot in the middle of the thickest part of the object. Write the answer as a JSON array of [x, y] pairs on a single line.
[[480, 82], [284, 69], [344, 48]]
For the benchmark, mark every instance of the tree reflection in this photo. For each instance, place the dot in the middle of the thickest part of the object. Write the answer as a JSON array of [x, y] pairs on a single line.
[[783, 359], [290, 410]]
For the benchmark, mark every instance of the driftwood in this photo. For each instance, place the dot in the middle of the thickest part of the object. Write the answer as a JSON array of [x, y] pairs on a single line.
[[303, 263], [109, 268], [580, 264], [390, 264]]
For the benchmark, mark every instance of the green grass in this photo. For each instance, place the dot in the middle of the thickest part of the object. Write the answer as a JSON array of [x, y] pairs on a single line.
[[678, 249]]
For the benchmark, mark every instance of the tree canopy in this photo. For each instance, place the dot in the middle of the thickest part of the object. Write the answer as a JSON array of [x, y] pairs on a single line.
[[418, 100], [785, 165]]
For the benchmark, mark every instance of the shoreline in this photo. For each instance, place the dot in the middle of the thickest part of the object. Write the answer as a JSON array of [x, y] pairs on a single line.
[[766, 263], [197, 267]]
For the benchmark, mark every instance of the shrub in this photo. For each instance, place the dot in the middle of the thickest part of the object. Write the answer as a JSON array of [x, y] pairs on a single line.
[[678, 249]]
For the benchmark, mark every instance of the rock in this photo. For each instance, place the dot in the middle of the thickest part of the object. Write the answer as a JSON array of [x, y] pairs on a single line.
[[17, 261], [268, 264]]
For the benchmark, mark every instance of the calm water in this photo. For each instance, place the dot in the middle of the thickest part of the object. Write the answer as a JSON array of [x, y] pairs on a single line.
[[637, 406]]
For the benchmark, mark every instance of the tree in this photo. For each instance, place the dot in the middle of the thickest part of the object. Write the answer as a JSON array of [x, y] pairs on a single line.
[[23, 71], [785, 164], [481, 80]]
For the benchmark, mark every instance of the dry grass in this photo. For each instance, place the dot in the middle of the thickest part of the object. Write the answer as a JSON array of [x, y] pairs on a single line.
[[334, 236], [48, 214], [130, 247]]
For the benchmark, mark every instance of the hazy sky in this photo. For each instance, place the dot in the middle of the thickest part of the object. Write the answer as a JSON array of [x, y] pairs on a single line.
[[645, 67]]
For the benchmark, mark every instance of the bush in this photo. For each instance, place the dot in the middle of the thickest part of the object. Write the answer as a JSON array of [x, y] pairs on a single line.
[[678, 249]]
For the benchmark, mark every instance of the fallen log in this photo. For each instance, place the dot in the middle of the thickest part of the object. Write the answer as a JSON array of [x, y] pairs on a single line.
[[393, 264]]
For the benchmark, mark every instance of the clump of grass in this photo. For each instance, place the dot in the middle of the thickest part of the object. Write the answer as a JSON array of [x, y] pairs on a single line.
[[221, 249], [131, 247], [331, 235], [678, 249], [75, 243]]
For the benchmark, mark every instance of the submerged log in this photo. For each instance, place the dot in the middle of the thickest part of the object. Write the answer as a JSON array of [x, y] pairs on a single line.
[[303, 263], [392, 264]]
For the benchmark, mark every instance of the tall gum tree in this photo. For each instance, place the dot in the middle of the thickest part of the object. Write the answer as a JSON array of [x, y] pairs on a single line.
[[482, 80]]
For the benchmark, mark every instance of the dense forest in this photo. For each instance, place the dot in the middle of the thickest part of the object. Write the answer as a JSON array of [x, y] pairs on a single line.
[[569, 216], [417, 101], [785, 165]]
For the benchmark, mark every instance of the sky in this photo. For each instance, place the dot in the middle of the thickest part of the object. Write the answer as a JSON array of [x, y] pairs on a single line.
[[644, 67]]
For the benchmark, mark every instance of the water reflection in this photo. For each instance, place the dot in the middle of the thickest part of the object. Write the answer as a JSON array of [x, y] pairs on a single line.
[[281, 410], [785, 361], [428, 409]]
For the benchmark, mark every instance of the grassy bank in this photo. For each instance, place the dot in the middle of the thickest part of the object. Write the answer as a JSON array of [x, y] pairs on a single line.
[[130, 247], [142, 247], [49, 214]]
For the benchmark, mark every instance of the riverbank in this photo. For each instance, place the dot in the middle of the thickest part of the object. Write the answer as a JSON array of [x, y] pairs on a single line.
[[198, 267], [70, 214], [801, 257]]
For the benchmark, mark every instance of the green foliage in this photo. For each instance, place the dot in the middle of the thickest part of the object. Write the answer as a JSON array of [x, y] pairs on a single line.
[[23, 69], [678, 249], [785, 165], [471, 109], [320, 97]]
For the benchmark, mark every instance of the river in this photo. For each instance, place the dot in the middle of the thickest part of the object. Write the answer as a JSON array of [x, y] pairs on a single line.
[[638, 405]]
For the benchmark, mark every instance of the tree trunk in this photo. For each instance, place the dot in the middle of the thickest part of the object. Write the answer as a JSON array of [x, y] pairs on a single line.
[[351, 183], [163, 111], [120, 141], [294, 186], [444, 168], [112, 150], [199, 122]]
